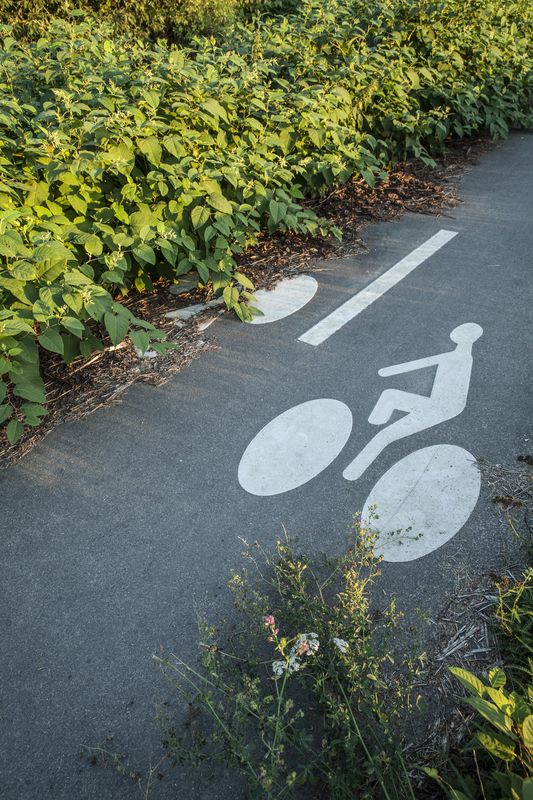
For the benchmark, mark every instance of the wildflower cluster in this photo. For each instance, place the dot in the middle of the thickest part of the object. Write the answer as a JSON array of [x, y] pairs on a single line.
[[270, 623], [293, 651], [341, 644], [321, 716]]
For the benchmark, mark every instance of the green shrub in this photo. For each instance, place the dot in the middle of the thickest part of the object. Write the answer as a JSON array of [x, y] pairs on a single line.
[[299, 693], [515, 616], [502, 746], [175, 20], [123, 162]]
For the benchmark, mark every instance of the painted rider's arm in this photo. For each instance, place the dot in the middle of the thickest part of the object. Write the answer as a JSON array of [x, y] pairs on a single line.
[[409, 366]]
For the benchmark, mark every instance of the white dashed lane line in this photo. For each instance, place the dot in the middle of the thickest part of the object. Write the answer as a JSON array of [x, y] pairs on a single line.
[[352, 307]]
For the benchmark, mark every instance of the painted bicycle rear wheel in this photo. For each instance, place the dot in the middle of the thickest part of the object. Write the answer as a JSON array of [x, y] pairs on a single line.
[[422, 501]]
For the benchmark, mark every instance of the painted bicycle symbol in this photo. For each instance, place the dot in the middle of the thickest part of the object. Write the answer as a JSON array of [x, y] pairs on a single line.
[[431, 492]]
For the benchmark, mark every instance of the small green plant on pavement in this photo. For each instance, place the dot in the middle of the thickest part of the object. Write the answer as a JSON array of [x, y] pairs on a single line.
[[303, 697], [500, 754]]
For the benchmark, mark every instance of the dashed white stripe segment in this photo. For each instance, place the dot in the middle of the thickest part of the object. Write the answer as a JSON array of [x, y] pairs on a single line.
[[352, 307]]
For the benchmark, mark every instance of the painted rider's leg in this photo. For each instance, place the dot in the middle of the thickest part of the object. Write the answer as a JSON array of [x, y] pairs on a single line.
[[366, 457], [392, 400], [406, 426]]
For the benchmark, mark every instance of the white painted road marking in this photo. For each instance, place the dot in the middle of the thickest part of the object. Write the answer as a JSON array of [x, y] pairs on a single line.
[[287, 297], [301, 442], [447, 400], [432, 492], [295, 446], [352, 307]]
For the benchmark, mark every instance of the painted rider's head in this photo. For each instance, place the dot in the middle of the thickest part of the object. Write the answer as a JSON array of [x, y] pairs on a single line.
[[466, 333]]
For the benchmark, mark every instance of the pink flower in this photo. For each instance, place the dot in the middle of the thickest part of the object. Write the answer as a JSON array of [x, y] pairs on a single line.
[[269, 621], [302, 648]]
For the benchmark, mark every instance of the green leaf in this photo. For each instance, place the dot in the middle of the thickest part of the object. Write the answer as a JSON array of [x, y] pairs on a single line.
[[199, 216], [318, 137], [153, 98], [11, 245], [228, 297], [277, 210], [97, 304], [163, 347], [14, 431], [244, 281], [141, 340], [30, 391], [93, 245], [497, 678], [77, 203], [214, 108], [188, 242], [369, 177], [492, 714], [16, 287], [116, 326], [51, 340], [469, 681], [219, 202], [5, 411], [71, 346], [53, 252], [498, 745], [74, 300], [33, 413], [74, 326], [501, 699], [431, 772], [527, 732], [24, 271], [119, 155], [151, 148], [413, 77], [73, 277], [169, 250], [202, 271], [10, 327], [144, 253], [37, 194]]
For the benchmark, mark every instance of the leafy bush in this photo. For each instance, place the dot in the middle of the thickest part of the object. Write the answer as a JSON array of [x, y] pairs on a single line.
[[172, 19], [502, 745], [301, 696], [175, 20], [123, 162]]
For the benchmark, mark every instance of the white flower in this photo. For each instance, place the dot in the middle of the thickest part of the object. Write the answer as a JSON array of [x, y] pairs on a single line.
[[294, 664], [278, 668], [341, 644], [314, 644], [306, 644]]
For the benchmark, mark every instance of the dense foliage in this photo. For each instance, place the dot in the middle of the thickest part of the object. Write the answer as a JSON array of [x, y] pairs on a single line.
[[176, 20], [122, 162]]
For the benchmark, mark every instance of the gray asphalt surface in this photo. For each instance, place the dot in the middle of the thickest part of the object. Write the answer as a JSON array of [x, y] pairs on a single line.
[[117, 527]]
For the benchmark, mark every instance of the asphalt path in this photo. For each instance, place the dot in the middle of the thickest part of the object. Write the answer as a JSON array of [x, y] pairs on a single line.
[[117, 527]]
